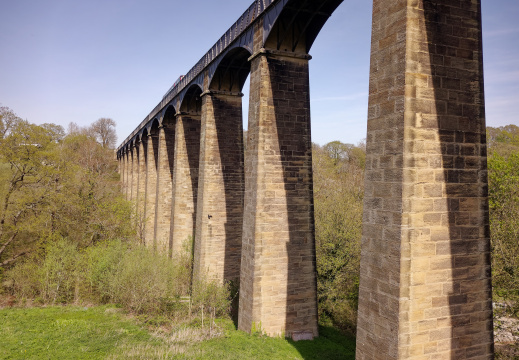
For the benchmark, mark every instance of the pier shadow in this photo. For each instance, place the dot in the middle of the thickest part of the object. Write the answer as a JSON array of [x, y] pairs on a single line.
[[455, 55]]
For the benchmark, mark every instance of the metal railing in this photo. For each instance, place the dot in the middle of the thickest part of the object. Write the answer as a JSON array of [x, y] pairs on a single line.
[[234, 32]]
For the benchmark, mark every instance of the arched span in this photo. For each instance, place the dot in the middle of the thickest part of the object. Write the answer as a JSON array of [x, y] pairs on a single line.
[[153, 124], [190, 101], [231, 71], [169, 115], [293, 25], [140, 135]]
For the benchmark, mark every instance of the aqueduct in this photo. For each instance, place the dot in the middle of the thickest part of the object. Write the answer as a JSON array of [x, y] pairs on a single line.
[[425, 290]]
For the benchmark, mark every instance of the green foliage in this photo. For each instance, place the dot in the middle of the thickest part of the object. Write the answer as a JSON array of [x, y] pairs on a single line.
[[137, 278], [59, 273], [209, 297], [503, 140], [54, 186], [504, 225], [100, 263], [338, 193], [31, 181], [144, 281]]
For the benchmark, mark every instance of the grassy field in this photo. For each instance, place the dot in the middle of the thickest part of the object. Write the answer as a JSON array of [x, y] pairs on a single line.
[[106, 333]]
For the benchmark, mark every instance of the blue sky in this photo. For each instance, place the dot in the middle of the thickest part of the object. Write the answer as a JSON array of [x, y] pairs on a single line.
[[65, 61]]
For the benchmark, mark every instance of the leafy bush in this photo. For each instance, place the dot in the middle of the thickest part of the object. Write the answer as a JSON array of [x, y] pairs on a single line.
[[135, 277], [59, 272], [23, 280], [100, 263], [210, 297], [143, 281]]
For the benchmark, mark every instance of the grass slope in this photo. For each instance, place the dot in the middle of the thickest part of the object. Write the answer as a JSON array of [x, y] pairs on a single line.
[[331, 345], [64, 333], [104, 333]]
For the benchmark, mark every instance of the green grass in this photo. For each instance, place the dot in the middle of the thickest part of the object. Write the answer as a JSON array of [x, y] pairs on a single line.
[[331, 345], [105, 333], [65, 333]]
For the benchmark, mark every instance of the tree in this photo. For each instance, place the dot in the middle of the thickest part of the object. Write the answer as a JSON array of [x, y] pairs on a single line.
[[338, 151], [31, 176], [503, 140], [338, 171], [95, 209], [104, 131], [54, 186], [7, 119]]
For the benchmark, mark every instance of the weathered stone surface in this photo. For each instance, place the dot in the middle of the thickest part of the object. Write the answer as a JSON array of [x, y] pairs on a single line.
[[425, 279], [219, 220], [141, 187], [164, 185], [278, 283], [151, 188], [185, 179], [123, 172], [128, 170], [135, 173]]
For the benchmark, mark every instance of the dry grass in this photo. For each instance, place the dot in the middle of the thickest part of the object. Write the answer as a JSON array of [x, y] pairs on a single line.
[[172, 342]]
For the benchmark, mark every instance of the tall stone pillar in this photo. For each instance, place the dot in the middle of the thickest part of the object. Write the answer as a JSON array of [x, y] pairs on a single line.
[[278, 275], [141, 188], [185, 179], [165, 185], [128, 173], [151, 189], [219, 215], [122, 160], [425, 289], [135, 174]]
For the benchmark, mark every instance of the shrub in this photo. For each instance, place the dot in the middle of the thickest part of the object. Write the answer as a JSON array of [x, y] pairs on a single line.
[[23, 280], [59, 271], [143, 281], [100, 263], [210, 297]]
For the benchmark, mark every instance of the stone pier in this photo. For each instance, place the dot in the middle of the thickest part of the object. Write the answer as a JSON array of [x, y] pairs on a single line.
[[219, 218], [165, 184], [187, 148], [151, 186], [425, 289], [278, 281]]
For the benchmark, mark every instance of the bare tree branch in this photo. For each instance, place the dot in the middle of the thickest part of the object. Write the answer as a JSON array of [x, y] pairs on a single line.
[[12, 259], [11, 239]]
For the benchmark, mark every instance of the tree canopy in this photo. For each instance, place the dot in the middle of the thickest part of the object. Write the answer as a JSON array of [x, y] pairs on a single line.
[[52, 184]]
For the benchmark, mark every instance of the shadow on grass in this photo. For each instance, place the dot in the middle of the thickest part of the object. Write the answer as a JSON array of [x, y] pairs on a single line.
[[331, 344]]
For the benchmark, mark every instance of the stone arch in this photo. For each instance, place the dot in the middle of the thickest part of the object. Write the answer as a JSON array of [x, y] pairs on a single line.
[[134, 140], [191, 101], [231, 71], [169, 115], [154, 123], [151, 130], [294, 27]]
